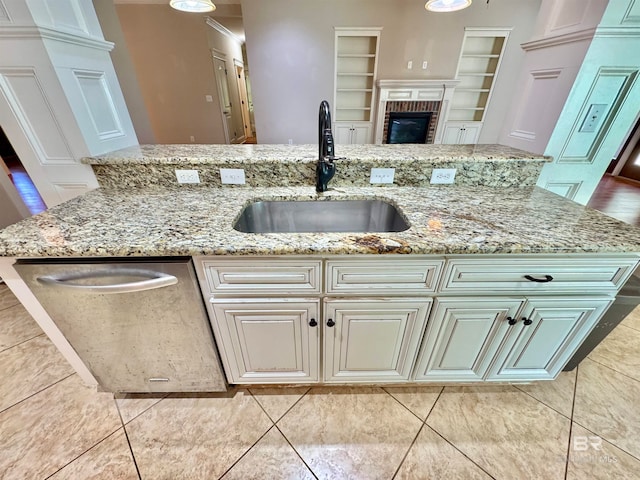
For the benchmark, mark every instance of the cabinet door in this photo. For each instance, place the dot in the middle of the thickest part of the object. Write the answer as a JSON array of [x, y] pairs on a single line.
[[470, 133], [343, 133], [372, 340], [361, 134], [268, 340], [462, 338], [548, 332], [452, 134]]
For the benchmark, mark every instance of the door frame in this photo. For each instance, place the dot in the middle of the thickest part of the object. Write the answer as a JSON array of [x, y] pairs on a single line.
[[222, 57]]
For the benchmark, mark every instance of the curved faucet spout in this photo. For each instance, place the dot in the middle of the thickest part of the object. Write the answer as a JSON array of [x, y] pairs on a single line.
[[325, 168]]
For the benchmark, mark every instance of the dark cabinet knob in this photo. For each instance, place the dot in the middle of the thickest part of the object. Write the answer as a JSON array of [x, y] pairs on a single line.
[[313, 323], [512, 321], [527, 321], [330, 323]]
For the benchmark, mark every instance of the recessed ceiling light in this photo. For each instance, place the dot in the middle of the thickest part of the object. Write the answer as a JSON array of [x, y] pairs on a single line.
[[193, 5], [446, 5]]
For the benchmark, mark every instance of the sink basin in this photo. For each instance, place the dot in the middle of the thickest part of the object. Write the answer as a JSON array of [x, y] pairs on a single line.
[[320, 216]]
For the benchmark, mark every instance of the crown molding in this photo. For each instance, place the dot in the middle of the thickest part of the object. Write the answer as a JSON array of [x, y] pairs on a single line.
[[12, 31], [618, 31], [556, 40], [223, 30]]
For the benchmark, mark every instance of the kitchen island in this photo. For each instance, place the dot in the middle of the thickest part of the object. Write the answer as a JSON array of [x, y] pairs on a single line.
[[514, 277]]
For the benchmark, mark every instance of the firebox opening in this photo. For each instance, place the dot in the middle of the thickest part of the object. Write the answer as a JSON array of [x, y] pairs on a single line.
[[408, 127]]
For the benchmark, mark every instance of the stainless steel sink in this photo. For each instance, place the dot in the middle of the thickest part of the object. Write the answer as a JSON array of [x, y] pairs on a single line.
[[320, 216]]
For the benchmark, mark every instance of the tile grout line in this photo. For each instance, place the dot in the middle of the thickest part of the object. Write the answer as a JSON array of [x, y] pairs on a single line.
[[460, 451], [288, 409], [613, 369], [143, 411], [297, 453], [126, 434], [275, 424], [634, 456], [406, 454], [548, 406], [407, 408], [450, 443], [248, 449], [573, 407], [87, 450], [24, 341], [36, 393]]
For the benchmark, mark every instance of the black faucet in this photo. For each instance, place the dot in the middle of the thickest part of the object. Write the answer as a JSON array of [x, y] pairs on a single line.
[[325, 168]]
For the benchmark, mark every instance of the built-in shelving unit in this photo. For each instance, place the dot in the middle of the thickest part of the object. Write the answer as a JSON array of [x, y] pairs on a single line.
[[355, 75], [478, 67]]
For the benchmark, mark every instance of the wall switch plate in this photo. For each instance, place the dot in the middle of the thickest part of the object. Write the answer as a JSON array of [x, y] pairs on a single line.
[[232, 176], [382, 175], [424, 65], [187, 176], [410, 64], [443, 175], [593, 117], [208, 98]]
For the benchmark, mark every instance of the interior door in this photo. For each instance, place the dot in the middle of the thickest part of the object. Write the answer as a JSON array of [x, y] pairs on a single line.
[[222, 81], [244, 102]]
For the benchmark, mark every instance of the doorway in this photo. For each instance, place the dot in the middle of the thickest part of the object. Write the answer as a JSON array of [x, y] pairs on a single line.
[[18, 175], [244, 99], [222, 83]]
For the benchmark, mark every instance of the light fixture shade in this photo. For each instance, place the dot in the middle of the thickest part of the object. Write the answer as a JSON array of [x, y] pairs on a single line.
[[446, 5], [197, 6]]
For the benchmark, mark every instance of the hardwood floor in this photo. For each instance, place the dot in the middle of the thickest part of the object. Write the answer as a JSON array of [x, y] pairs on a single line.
[[617, 198], [24, 185]]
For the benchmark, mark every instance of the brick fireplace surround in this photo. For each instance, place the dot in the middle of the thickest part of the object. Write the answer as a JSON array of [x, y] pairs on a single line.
[[412, 106]]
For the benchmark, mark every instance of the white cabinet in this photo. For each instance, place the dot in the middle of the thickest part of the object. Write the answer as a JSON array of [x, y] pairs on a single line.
[[495, 318], [352, 133], [461, 132], [356, 63], [268, 341], [462, 338], [504, 339], [372, 340], [547, 334]]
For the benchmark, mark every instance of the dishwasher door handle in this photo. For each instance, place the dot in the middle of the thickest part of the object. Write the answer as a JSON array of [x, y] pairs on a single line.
[[153, 280]]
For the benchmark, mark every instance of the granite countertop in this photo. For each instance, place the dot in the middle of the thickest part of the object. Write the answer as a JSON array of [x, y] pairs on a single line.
[[247, 154], [161, 221]]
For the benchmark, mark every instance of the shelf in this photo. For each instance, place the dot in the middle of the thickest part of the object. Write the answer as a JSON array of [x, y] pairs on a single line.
[[356, 55]]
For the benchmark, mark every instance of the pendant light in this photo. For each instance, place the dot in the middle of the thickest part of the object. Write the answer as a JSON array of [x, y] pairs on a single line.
[[446, 5], [197, 6]]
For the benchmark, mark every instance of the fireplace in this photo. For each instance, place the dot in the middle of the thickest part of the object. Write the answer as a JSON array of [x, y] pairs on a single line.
[[408, 127], [410, 118]]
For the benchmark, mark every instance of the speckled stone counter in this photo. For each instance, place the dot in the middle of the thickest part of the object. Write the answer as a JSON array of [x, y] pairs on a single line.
[[294, 165], [198, 221]]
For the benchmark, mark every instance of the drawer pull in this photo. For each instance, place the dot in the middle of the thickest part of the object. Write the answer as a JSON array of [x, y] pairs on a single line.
[[313, 323], [527, 321], [512, 321], [330, 323], [547, 278]]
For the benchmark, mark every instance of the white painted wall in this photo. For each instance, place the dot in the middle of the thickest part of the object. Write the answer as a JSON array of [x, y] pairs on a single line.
[[59, 100], [553, 57], [609, 75], [291, 53]]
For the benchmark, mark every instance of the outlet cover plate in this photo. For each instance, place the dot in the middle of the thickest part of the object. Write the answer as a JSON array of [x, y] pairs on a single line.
[[443, 175], [232, 176], [187, 176], [382, 175]]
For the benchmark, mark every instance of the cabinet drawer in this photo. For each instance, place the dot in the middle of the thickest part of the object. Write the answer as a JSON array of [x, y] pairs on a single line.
[[257, 276], [385, 275], [555, 275]]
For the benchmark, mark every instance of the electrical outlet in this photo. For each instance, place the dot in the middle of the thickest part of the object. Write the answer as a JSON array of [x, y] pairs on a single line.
[[291, 141], [187, 176], [593, 117], [424, 65], [382, 175], [409, 64], [192, 138], [232, 176], [443, 175]]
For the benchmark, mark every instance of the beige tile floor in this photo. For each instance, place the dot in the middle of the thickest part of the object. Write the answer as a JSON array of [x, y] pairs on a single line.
[[584, 425]]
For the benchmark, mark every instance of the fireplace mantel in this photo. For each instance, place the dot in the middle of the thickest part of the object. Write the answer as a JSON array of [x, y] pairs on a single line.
[[414, 91]]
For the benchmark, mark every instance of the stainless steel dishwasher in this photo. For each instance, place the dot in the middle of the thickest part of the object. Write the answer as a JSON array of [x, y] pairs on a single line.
[[138, 324]]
